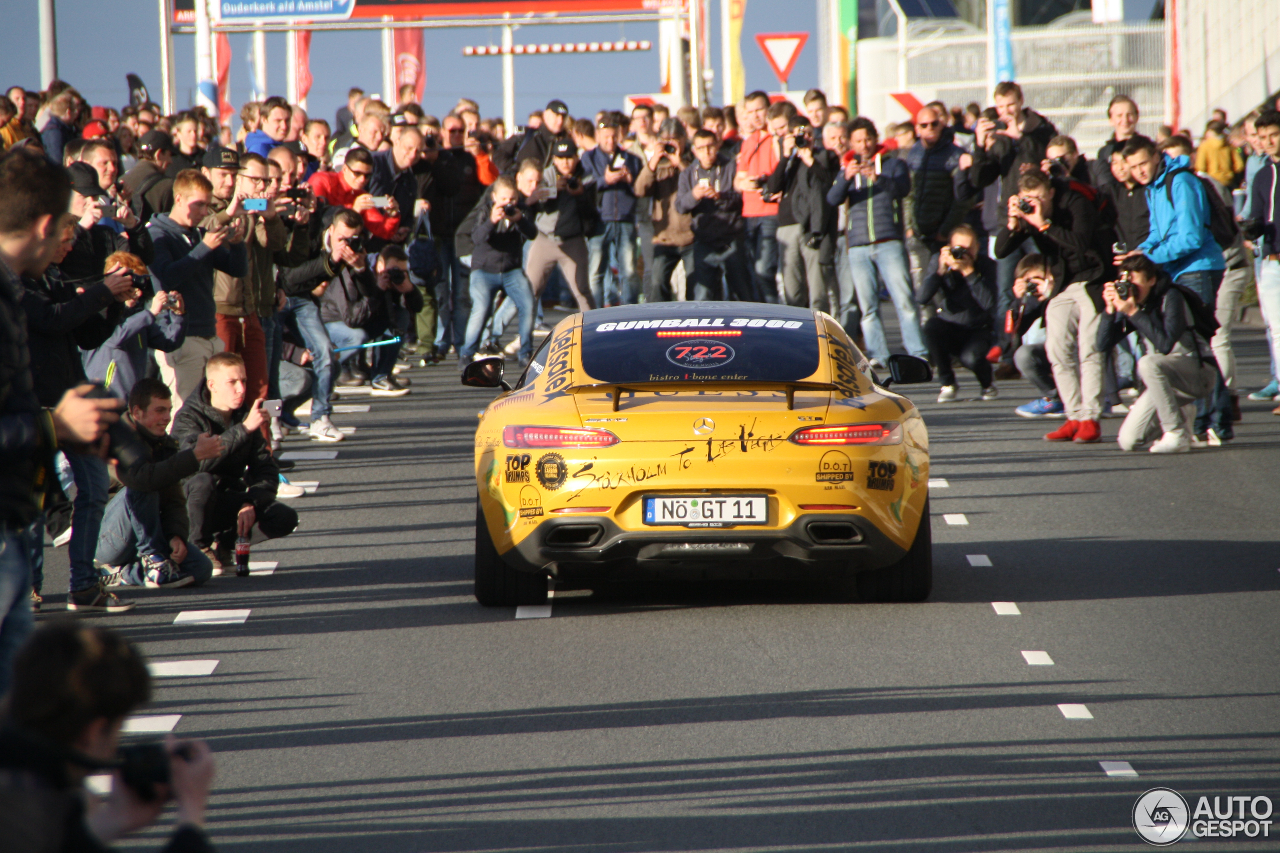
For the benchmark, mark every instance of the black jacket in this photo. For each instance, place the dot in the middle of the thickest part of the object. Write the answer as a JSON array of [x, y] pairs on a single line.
[[452, 185], [353, 298], [162, 471], [966, 300], [245, 464], [805, 188], [61, 322], [1073, 246], [1131, 215], [535, 145], [86, 262], [498, 248], [41, 811], [1003, 161], [574, 215], [1163, 320], [27, 439]]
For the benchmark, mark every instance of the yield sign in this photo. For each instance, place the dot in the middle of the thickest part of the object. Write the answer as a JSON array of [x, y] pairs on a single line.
[[782, 50]]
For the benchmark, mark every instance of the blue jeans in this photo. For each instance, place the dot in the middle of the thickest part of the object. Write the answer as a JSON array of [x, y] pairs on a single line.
[[621, 238], [848, 314], [483, 286], [273, 333], [131, 530], [709, 263], [890, 260], [453, 299], [306, 315], [1215, 410], [89, 475], [16, 547], [383, 359], [762, 252]]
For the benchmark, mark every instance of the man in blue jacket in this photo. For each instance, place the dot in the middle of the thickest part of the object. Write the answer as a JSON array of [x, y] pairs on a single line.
[[1180, 242], [875, 186], [615, 172]]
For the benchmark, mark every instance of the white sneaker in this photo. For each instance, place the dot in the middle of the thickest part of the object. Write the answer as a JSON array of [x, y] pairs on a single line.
[[1172, 442], [322, 429], [990, 392], [63, 538], [947, 394], [289, 490], [512, 348]]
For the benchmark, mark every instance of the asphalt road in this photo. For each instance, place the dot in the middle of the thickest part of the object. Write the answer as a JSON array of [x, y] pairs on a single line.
[[367, 703]]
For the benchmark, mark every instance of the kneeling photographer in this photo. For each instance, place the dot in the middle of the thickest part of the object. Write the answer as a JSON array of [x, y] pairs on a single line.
[[962, 328], [72, 689], [1179, 367]]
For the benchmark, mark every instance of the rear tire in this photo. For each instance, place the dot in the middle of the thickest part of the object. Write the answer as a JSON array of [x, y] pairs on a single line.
[[909, 579], [497, 584]]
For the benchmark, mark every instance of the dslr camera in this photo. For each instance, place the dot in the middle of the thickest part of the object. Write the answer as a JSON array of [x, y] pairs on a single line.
[[123, 443], [510, 210], [1026, 206], [958, 252], [669, 148], [1058, 168], [802, 140], [1124, 288], [144, 766]]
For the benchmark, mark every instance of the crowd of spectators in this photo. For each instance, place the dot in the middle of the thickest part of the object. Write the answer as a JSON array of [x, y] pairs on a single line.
[[214, 285]]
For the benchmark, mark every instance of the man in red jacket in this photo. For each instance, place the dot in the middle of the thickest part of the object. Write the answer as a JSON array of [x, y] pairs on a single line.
[[347, 188]]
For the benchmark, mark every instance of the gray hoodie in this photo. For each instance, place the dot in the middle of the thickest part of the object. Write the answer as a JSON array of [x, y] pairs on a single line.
[[185, 264]]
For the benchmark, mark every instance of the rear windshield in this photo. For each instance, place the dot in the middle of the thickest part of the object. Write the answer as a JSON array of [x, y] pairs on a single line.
[[737, 346]]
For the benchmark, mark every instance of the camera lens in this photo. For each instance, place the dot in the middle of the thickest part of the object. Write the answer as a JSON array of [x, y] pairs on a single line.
[[395, 275]]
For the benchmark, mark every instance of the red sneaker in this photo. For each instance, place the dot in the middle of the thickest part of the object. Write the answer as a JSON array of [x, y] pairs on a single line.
[[1066, 432], [1088, 433]]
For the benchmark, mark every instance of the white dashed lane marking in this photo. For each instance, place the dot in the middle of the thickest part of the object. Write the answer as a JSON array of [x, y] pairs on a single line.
[[1119, 769], [1075, 712], [955, 518], [979, 559], [211, 617], [176, 668], [263, 567], [1039, 659], [538, 611], [309, 454], [150, 725], [1006, 608], [308, 486], [939, 483], [349, 409]]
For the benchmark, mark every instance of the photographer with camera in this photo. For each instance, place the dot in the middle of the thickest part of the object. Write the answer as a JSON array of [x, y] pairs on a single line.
[[393, 176], [145, 531], [73, 688], [1032, 286], [1179, 366], [563, 218], [875, 185], [804, 173], [706, 193], [615, 173], [499, 234], [187, 256], [348, 188], [93, 239], [962, 328], [1062, 225], [358, 306], [235, 491], [672, 229]]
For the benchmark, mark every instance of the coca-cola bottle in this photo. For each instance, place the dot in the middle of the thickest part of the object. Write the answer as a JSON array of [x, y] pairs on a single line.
[[242, 557]]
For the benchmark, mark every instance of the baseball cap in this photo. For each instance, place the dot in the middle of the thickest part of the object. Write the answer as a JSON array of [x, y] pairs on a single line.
[[155, 140], [98, 113], [94, 129], [559, 107], [564, 148], [84, 180], [221, 158]]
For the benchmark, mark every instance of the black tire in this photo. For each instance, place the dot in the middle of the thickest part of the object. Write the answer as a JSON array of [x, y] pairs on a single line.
[[497, 584], [909, 579]]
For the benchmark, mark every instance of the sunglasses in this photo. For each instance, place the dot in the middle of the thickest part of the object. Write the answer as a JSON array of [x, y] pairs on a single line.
[[926, 124], [358, 173]]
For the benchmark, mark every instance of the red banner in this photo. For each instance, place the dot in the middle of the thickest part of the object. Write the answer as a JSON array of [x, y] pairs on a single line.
[[302, 55], [222, 64], [410, 63]]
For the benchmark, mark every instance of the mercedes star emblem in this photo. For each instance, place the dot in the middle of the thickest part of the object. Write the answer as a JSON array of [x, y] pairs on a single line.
[[702, 426]]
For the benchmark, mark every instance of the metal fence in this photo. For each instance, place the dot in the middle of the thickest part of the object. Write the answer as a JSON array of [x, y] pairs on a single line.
[[1067, 73]]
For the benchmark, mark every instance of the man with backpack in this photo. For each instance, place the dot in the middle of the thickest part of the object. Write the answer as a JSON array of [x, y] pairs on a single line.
[[1178, 367], [1189, 225]]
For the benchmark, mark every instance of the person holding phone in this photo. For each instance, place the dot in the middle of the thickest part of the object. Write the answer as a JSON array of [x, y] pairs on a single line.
[[615, 171]]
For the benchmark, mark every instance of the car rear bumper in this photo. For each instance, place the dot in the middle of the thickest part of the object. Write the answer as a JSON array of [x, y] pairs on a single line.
[[594, 546]]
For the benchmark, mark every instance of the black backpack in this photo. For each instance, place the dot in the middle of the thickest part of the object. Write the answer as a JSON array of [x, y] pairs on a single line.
[[1222, 221], [1204, 321]]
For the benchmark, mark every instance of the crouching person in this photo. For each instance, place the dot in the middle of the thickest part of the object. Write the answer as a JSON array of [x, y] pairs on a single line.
[[233, 495], [145, 536], [1178, 367]]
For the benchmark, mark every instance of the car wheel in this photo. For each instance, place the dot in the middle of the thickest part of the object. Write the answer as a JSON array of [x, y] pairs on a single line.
[[497, 584], [909, 579]]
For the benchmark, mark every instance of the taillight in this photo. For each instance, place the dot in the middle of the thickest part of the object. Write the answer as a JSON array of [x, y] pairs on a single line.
[[549, 436], [849, 434]]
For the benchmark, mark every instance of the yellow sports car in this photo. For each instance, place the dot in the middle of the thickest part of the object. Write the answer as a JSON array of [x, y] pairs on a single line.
[[701, 439]]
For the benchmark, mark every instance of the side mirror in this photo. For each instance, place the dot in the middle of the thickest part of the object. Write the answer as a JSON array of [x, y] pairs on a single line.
[[909, 369], [485, 373]]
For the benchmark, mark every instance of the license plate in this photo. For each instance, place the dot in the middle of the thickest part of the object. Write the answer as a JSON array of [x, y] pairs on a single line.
[[712, 511]]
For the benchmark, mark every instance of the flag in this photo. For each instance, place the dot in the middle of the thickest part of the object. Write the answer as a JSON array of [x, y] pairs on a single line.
[[409, 62], [737, 74], [222, 64], [302, 69], [137, 90]]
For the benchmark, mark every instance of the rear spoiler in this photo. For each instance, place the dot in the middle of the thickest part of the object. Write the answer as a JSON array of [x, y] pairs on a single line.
[[616, 390]]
